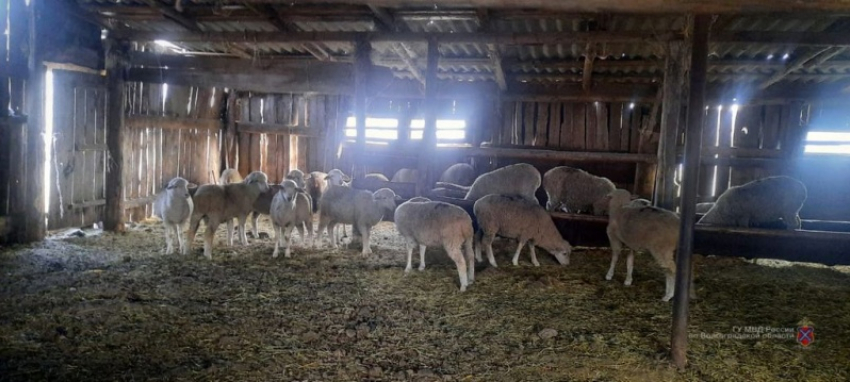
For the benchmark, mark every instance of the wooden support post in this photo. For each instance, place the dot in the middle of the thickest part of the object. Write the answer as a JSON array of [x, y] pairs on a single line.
[[34, 210], [673, 101], [587, 71], [429, 138], [693, 138], [116, 66], [498, 69], [362, 66]]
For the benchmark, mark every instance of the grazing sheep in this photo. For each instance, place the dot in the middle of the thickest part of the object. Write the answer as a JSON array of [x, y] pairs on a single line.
[[461, 174], [521, 218], [297, 176], [703, 208], [174, 206], [516, 179], [643, 228], [290, 209], [216, 204], [362, 209], [316, 186], [426, 223], [759, 202], [378, 176], [406, 175], [229, 176], [576, 190]]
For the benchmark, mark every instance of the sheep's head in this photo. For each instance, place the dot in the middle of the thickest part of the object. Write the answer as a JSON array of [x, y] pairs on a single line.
[[562, 253], [296, 176], [385, 198], [335, 177], [258, 178], [178, 186], [289, 189], [617, 198]]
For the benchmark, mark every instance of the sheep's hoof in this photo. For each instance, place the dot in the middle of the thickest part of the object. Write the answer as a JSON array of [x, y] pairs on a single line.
[[463, 288], [421, 268], [666, 298], [628, 282], [407, 271], [536, 264], [609, 276]]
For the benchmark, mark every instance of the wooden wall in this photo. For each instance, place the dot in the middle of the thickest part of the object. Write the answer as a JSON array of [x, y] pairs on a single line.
[[171, 131]]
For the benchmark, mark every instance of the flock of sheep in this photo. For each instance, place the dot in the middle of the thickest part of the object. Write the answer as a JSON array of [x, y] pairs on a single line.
[[504, 205]]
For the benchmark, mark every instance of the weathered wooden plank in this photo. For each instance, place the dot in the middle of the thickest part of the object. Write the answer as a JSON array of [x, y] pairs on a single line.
[[244, 139], [507, 123], [579, 128], [706, 185], [567, 131], [64, 107], [591, 122], [87, 216], [277, 129], [255, 110], [601, 126], [177, 101], [724, 139], [171, 123], [615, 126], [747, 130], [542, 128], [553, 138], [770, 130], [269, 158], [634, 129], [315, 121], [81, 175], [625, 127], [200, 161], [528, 113]]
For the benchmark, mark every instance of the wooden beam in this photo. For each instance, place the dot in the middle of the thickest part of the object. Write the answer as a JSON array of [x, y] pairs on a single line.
[[116, 66], [502, 38], [556, 155], [574, 92], [362, 69], [793, 66], [36, 152], [587, 70], [674, 93], [429, 137], [277, 128], [170, 123], [386, 20], [784, 38], [687, 207], [496, 63]]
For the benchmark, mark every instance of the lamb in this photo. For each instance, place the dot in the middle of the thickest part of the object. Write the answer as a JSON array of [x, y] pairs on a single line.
[[460, 173], [406, 175], [759, 202], [643, 228], [378, 176], [427, 223], [362, 209], [316, 186], [522, 218], [703, 208], [517, 179], [174, 206], [229, 176], [216, 204], [290, 209], [297, 176], [576, 190]]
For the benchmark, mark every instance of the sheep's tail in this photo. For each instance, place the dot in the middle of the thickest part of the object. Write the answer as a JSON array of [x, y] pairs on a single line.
[[452, 186]]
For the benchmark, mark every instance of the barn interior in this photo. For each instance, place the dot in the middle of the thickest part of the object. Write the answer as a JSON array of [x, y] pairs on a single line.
[[105, 101]]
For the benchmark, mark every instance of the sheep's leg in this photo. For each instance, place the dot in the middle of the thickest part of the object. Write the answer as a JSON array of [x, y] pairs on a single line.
[[277, 237], [668, 264], [630, 266], [287, 237], [194, 223], [470, 263], [332, 234], [477, 249], [169, 248], [323, 227], [256, 223], [616, 246], [364, 232], [518, 250], [209, 235], [422, 257], [533, 253], [300, 228], [487, 241], [308, 225], [181, 241], [243, 220], [669, 286], [229, 232], [409, 244], [455, 254]]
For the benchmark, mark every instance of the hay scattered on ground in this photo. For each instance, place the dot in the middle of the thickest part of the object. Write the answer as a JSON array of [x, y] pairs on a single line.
[[113, 308]]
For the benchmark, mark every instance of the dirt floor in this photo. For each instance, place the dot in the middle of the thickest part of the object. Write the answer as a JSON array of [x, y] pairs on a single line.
[[114, 308]]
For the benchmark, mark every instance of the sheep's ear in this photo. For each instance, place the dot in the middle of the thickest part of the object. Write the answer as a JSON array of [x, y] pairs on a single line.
[[397, 198], [346, 178], [172, 184]]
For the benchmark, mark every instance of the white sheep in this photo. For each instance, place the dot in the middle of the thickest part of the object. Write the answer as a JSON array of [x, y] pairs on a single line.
[[290, 209], [517, 179], [759, 202], [174, 206], [229, 176], [406, 175], [377, 175], [362, 209], [643, 228], [427, 223], [521, 218], [418, 199], [460, 173], [216, 204], [576, 190]]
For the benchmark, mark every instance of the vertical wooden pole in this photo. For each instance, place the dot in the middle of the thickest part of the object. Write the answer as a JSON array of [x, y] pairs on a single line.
[[5, 129], [17, 131], [362, 67], [36, 223], [693, 138], [116, 66], [672, 104], [429, 138]]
